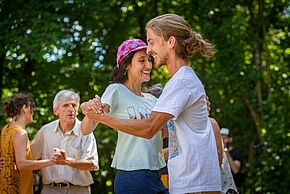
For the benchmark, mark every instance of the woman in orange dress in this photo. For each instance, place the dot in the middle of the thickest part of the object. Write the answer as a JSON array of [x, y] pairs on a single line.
[[16, 175]]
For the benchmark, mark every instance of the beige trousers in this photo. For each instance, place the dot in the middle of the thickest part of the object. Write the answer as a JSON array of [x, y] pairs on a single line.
[[70, 190]]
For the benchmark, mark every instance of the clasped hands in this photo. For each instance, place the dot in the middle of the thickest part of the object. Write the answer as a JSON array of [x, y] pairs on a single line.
[[59, 157], [93, 108]]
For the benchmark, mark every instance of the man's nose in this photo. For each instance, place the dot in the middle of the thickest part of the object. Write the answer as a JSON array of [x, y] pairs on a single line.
[[71, 107], [148, 50]]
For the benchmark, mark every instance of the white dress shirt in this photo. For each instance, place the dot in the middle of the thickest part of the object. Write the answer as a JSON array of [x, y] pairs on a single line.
[[75, 145]]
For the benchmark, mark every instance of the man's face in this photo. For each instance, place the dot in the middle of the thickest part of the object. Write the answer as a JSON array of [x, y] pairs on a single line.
[[227, 140], [67, 110], [157, 48]]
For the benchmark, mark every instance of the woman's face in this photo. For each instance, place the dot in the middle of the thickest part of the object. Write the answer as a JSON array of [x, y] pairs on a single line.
[[140, 68], [29, 112]]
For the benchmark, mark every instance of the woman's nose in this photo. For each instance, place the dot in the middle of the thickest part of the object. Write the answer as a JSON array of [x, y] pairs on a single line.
[[148, 63]]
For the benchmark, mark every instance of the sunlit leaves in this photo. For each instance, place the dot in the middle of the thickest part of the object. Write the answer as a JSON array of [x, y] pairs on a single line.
[[72, 45]]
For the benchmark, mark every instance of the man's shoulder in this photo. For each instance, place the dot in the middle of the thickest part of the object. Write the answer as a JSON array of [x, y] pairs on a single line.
[[236, 154], [184, 74], [49, 126], [184, 83], [235, 150]]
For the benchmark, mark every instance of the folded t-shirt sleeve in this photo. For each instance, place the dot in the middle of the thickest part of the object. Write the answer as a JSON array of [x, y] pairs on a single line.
[[110, 96]]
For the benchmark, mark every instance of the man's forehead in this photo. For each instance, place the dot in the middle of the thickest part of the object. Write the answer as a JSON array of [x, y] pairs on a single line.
[[151, 36], [69, 101]]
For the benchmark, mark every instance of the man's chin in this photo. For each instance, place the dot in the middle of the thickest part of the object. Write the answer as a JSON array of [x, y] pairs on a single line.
[[160, 65]]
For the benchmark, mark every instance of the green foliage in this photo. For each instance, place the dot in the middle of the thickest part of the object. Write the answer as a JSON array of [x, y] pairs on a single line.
[[71, 44]]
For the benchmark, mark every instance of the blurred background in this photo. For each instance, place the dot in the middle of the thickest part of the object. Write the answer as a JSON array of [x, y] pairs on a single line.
[[46, 46]]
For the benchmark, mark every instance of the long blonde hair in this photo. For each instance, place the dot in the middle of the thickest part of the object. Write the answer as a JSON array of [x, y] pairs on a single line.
[[188, 42]]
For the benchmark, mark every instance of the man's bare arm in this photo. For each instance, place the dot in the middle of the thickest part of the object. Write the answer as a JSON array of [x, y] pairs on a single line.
[[145, 128]]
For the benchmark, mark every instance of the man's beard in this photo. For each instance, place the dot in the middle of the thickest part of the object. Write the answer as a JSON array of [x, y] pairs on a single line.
[[163, 61]]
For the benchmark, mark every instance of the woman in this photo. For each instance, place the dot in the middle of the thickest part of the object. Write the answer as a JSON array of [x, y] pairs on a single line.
[[16, 176], [228, 183], [137, 160]]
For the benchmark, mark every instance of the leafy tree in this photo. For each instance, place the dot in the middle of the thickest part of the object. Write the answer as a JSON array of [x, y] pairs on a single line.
[[71, 44]]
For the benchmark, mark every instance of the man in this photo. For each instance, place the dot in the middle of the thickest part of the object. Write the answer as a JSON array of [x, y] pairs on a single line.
[[79, 152], [234, 156], [193, 162]]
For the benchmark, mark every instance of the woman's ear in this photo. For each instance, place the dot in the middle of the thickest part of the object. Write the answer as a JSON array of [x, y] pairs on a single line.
[[127, 67], [24, 109]]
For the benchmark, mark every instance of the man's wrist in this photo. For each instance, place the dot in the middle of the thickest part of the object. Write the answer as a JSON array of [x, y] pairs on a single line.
[[103, 117]]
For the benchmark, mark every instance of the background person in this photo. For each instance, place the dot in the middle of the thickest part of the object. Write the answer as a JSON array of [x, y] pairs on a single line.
[[234, 156], [227, 180], [77, 152], [16, 175]]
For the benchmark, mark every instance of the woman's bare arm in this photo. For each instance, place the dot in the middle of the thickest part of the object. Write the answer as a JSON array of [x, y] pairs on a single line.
[[20, 147]]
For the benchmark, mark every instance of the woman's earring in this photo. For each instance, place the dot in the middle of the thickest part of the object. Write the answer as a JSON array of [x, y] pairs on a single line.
[[125, 72]]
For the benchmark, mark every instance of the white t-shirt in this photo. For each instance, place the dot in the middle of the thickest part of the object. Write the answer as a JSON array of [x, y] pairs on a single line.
[[193, 162], [132, 152]]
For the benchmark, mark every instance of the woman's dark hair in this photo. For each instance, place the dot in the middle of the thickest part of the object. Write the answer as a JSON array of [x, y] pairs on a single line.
[[119, 74], [12, 106]]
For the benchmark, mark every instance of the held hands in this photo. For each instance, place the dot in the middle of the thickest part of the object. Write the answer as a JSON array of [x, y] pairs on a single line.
[[95, 105], [93, 109], [59, 157]]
